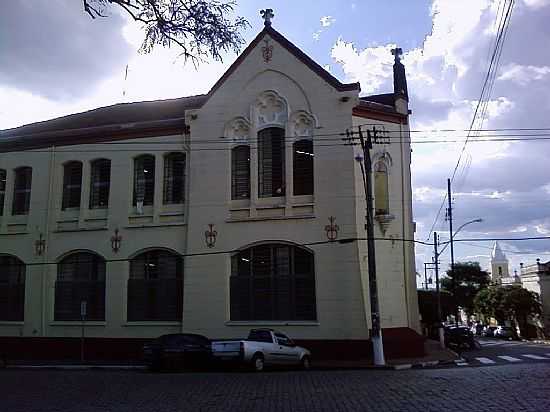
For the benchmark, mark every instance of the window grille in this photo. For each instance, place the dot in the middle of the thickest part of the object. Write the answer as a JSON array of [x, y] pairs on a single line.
[[80, 277], [22, 191], [144, 179], [174, 178], [303, 167], [273, 282], [72, 185], [155, 287], [381, 193], [271, 162], [100, 183], [2, 190], [12, 289], [240, 172]]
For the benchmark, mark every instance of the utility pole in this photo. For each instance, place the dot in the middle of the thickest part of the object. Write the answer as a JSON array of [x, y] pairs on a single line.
[[376, 337], [450, 217], [438, 293]]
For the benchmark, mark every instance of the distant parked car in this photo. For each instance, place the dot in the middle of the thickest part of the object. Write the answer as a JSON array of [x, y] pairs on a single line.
[[459, 337], [505, 332], [477, 329], [489, 331], [264, 347], [180, 350]]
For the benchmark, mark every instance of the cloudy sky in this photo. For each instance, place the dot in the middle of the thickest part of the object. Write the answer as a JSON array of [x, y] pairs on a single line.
[[55, 60]]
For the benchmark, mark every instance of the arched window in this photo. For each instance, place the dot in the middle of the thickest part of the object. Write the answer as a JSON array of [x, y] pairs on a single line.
[[303, 167], [240, 172], [144, 179], [155, 287], [174, 178], [100, 183], [273, 282], [2, 190], [22, 191], [72, 185], [271, 162], [12, 289], [381, 192], [80, 278], [500, 270]]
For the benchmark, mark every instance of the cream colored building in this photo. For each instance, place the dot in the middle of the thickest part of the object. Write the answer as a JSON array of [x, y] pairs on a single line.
[[536, 278], [212, 213]]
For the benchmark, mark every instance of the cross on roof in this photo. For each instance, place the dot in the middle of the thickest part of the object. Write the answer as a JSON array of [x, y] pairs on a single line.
[[397, 52], [267, 15]]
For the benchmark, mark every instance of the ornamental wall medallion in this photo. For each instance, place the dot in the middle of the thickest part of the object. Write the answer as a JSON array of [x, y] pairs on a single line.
[[267, 51], [210, 236], [332, 229], [270, 109], [302, 124], [238, 130]]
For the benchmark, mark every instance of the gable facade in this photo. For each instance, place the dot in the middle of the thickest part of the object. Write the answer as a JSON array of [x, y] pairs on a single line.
[[216, 217]]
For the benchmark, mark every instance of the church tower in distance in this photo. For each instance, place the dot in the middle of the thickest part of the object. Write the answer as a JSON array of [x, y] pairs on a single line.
[[499, 264]]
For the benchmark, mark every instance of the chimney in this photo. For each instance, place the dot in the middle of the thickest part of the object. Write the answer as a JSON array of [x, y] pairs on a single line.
[[399, 76]]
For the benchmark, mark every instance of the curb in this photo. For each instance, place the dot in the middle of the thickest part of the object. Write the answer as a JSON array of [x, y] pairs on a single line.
[[77, 367]]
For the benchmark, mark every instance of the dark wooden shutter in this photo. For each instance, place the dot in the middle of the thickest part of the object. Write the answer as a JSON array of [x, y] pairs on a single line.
[[271, 162], [304, 285], [100, 183], [80, 277], [155, 287], [12, 289], [303, 167], [72, 184], [174, 178], [240, 172], [2, 190], [22, 191], [144, 179]]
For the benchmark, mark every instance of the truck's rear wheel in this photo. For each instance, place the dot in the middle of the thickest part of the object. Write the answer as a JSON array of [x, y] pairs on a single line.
[[258, 363]]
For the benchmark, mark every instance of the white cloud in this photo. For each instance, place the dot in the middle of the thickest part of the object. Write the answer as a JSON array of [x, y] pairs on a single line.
[[326, 21], [522, 74], [536, 4]]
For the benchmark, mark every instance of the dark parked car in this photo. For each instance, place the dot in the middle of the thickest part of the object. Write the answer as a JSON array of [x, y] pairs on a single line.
[[180, 350], [459, 337], [489, 331]]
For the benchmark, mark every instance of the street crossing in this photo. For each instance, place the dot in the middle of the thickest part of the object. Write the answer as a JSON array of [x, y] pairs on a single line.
[[500, 359]]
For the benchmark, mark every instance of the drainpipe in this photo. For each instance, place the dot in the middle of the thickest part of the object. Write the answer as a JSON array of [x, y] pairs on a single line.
[[47, 246]]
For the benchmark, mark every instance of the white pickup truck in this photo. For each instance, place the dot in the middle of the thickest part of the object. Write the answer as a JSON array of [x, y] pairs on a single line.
[[263, 347]]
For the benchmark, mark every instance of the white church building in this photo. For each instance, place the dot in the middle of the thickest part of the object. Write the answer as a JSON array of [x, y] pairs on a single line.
[[210, 214]]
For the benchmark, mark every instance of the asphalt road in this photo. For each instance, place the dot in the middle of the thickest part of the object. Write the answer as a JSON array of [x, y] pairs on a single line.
[[506, 387], [497, 352]]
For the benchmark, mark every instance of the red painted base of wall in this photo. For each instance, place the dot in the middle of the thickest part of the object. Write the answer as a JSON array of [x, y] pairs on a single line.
[[398, 343]]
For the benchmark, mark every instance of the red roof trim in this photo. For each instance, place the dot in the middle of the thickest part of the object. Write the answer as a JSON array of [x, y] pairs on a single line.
[[367, 113], [296, 52]]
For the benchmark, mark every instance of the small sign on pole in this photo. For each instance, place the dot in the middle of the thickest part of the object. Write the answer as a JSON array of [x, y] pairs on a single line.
[[83, 313]]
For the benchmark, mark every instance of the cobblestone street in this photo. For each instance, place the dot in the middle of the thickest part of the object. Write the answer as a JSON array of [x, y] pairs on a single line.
[[519, 387]]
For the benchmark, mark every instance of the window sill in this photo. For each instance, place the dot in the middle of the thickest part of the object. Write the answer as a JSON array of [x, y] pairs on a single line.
[[92, 229], [11, 323], [77, 323], [260, 219], [152, 323], [153, 225], [272, 323], [176, 213]]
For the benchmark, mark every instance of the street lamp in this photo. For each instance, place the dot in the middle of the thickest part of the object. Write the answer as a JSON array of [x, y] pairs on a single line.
[[453, 259]]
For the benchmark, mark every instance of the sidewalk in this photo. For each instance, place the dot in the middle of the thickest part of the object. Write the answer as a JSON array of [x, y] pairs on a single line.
[[434, 356]]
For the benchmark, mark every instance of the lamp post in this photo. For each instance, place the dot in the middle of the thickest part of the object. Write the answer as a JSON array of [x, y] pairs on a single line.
[[452, 235]]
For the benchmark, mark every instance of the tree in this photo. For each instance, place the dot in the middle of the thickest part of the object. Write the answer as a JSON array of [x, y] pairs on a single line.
[[427, 304], [200, 28], [508, 303], [469, 280]]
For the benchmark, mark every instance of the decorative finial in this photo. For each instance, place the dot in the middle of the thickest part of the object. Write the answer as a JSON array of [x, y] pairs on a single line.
[[267, 15], [397, 52]]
